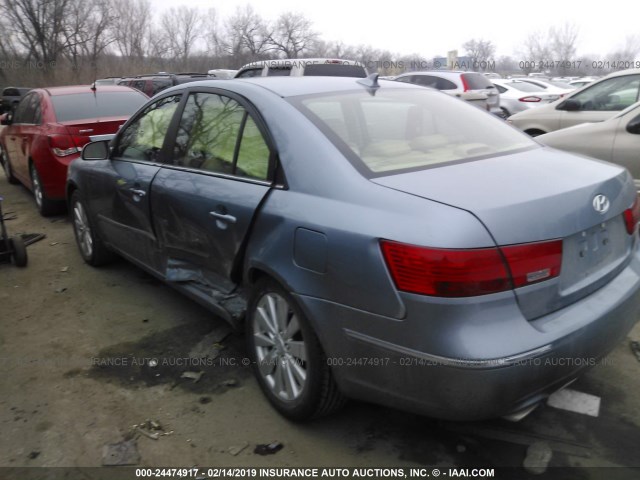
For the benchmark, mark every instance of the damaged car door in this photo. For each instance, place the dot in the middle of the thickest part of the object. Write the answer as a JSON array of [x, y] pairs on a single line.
[[205, 197], [122, 191]]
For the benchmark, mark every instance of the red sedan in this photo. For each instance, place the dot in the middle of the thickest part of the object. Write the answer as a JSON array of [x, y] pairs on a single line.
[[49, 128]]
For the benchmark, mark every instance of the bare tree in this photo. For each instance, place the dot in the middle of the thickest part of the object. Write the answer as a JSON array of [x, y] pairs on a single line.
[[628, 51], [244, 36], [292, 35], [132, 27], [38, 26], [88, 31], [563, 44], [181, 29], [480, 51]]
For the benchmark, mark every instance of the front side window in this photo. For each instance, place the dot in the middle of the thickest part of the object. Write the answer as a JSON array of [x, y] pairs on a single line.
[[144, 137], [397, 129], [609, 95], [217, 134]]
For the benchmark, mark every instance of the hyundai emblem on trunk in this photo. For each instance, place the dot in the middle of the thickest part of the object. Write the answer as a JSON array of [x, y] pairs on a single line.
[[601, 204]]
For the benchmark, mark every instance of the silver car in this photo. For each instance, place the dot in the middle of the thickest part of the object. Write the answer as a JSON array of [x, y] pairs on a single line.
[[303, 67], [518, 96], [595, 102], [615, 140], [376, 240], [473, 87]]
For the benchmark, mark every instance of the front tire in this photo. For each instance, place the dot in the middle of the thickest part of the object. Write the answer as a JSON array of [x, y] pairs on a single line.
[[287, 357], [93, 251]]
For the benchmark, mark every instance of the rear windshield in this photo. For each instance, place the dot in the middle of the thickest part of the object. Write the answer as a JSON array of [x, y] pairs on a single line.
[[398, 130], [476, 81], [279, 71], [334, 70], [87, 105], [525, 86]]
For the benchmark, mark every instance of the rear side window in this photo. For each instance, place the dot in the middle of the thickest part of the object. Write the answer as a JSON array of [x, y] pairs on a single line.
[[82, 106], [208, 136], [476, 81], [28, 111], [252, 72], [279, 72], [334, 70]]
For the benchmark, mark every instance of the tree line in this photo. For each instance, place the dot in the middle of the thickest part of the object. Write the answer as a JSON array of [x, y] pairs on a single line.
[[51, 42]]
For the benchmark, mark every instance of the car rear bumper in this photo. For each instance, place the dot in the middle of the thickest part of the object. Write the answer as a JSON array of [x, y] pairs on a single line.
[[53, 175], [483, 376]]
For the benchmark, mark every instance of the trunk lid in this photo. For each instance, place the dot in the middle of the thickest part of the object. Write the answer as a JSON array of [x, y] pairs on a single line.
[[540, 195], [82, 130]]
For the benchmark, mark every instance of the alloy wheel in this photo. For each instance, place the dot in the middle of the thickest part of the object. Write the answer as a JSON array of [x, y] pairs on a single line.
[[281, 352], [83, 231]]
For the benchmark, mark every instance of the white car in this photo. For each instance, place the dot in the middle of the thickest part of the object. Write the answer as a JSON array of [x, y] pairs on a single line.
[[615, 140], [472, 87], [550, 86], [581, 82], [517, 96], [596, 102]]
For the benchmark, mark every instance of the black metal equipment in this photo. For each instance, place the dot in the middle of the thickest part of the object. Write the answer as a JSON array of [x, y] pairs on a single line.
[[11, 248]]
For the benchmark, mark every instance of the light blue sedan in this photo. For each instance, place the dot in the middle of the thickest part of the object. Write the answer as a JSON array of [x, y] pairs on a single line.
[[376, 240]]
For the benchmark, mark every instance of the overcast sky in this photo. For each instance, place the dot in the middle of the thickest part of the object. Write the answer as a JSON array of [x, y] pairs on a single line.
[[434, 27]]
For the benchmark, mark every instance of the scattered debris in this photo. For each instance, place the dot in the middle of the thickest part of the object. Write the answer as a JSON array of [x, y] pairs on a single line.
[[268, 449], [145, 320], [232, 382], [538, 457], [557, 444], [195, 376], [210, 346], [34, 453], [236, 449], [460, 448], [153, 363], [151, 429], [205, 400], [574, 401], [64, 269], [123, 453], [9, 216], [53, 244], [61, 290], [635, 348], [31, 238]]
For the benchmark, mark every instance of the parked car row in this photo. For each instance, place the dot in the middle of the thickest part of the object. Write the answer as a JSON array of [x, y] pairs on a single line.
[[375, 239]]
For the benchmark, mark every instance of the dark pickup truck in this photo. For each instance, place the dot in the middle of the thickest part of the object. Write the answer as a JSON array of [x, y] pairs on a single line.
[[11, 97]]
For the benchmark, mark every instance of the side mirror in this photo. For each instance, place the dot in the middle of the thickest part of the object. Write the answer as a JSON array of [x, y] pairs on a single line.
[[96, 150], [6, 119], [634, 126], [570, 105]]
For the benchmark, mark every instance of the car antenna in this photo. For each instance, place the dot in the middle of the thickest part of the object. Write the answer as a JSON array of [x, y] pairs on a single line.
[[371, 82], [93, 86]]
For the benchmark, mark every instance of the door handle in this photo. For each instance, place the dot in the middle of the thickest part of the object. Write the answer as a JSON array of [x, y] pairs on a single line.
[[138, 192], [223, 216]]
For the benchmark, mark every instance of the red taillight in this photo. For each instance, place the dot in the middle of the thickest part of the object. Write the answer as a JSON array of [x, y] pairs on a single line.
[[65, 145], [465, 85], [466, 273], [533, 262], [529, 99], [632, 217]]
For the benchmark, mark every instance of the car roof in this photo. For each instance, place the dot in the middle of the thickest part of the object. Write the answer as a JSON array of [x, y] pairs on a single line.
[[294, 86], [76, 89]]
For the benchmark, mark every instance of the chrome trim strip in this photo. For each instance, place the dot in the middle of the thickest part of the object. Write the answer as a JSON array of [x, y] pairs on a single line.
[[446, 361]]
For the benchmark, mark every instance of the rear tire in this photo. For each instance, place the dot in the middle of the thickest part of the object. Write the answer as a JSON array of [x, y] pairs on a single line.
[[7, 167], [45, 205], [534, 132], [19, 251], [287, 358], [93, 250]]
